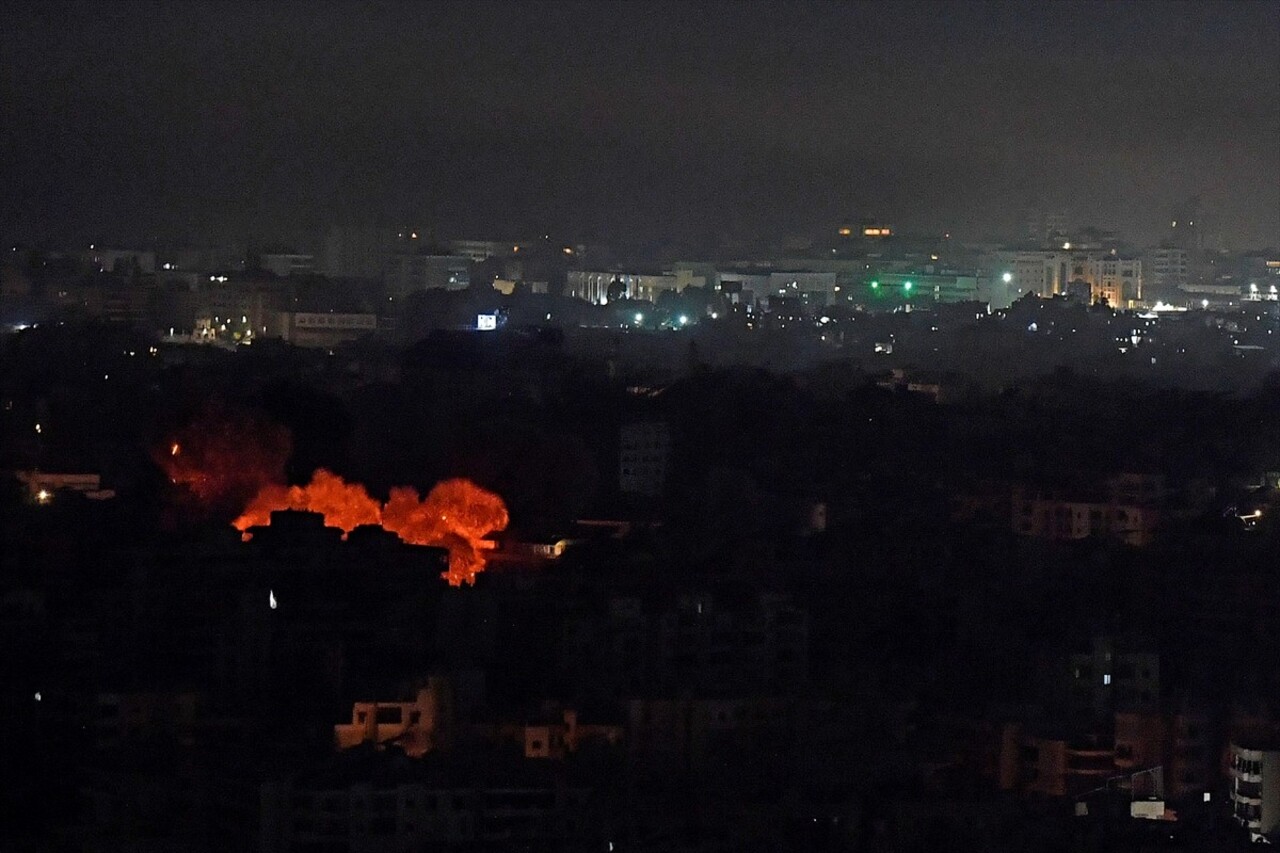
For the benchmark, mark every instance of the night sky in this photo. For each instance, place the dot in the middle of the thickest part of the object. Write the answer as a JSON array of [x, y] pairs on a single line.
[[189, 121]]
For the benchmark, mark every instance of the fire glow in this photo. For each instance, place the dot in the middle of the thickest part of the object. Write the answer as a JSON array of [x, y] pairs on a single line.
[[225, 456], [456, 514]]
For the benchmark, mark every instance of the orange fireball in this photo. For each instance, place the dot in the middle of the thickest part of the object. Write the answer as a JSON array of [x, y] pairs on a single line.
[[457, 515]]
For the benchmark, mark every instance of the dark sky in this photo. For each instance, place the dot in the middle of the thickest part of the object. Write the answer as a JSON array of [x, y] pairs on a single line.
[[184, 120]]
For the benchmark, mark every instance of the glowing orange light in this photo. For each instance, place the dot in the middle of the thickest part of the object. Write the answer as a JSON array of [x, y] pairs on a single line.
[[845, 232], [225, 456], [343, 505], [456, 514]]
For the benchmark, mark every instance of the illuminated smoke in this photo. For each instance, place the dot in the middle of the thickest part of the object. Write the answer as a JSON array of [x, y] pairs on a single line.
[[456, 514], [225, 456]]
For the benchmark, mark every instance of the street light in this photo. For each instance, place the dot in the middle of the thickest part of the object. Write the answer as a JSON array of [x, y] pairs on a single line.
[[1007, 277]]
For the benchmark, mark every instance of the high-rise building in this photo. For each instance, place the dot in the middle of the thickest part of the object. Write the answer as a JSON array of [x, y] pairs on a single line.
[[643, 451], [1255, 784], [411, 271], [481, 250], [1047, 226], [1166, 267], [356, 251]]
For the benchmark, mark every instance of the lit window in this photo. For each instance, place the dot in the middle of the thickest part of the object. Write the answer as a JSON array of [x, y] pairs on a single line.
[[1106, 678]]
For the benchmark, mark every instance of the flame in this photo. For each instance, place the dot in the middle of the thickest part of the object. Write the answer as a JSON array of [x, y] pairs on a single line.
[[456, 514], [343, 505]]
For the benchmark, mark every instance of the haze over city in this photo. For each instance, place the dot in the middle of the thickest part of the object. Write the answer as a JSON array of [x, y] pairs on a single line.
[[640, 427], [644, 122]]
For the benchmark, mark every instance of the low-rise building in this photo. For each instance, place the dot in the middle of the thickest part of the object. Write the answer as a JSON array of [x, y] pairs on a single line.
[[121, 260], [321, 329], [601, 287], [43, 486], [1122, 509], [416, 727], [1102, 275], [364, 801], [1058, 765], [556, 736], [813, 288], [896, 288], [287, 264]]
